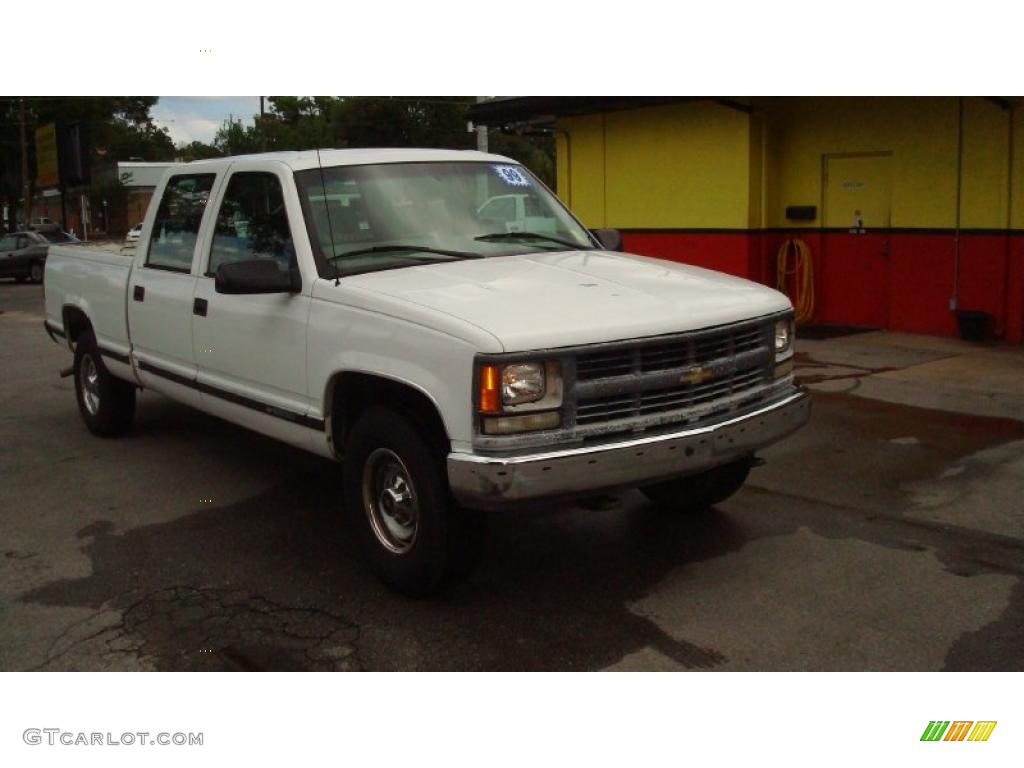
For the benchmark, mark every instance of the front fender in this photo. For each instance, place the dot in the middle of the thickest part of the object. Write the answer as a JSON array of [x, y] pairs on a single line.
[[343, 339]]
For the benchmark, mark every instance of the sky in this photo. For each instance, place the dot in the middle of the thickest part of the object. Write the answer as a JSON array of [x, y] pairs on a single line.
[[197, 118]]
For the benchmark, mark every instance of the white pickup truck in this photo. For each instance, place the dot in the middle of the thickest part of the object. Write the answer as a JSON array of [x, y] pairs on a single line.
[[366, 305]]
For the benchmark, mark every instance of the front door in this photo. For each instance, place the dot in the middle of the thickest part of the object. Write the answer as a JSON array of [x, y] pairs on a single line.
[[857, 218], [251, 349]]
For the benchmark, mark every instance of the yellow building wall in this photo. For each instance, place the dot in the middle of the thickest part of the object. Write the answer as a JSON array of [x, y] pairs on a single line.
[[986, 150], [1017, 188], [581, 179], [921, 135], [677, 166], [705, 165]]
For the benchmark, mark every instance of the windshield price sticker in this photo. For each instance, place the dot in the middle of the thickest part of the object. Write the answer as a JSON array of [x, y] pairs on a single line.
[[512, 176]]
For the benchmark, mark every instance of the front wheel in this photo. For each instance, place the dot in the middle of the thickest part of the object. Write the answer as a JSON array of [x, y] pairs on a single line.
[[398, 504], [694, 493], [35, 273], [107, 404]]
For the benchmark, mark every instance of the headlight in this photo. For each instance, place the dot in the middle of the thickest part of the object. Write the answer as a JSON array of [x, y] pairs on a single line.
[[522, 383], [520, 387], [783, 336]]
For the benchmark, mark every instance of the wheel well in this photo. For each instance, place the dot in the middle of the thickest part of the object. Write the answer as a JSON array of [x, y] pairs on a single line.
[[351, 393], [75, 323]]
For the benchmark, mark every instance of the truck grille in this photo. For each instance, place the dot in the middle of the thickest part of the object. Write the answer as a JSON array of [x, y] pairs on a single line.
[[681, 351], [685, 378]]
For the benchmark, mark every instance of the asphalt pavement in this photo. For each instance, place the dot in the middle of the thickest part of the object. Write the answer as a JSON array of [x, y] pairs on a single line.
[[887, 535]]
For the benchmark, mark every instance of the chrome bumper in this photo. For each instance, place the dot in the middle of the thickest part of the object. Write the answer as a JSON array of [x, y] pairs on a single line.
[[485, 482]]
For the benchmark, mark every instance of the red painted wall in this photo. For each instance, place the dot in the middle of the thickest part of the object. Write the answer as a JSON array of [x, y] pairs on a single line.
[[900, 281], [723, 251], [1015, 289]]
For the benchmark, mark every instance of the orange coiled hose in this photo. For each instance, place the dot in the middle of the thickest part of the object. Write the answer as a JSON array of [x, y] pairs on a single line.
[[802, 274]]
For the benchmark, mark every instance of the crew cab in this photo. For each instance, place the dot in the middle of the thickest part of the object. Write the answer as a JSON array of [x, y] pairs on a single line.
[[370, 307]]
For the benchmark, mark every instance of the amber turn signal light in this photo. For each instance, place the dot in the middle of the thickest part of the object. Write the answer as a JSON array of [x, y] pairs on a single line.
[[490, 394]]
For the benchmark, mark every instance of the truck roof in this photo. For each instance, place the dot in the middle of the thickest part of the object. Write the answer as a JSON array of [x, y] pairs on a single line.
[[307, 158]]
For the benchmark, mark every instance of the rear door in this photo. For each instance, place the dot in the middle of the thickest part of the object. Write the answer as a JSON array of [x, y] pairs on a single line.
[[162, 285]]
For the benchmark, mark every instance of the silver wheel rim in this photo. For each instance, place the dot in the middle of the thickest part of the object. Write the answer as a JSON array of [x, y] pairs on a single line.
[[36, 273], [90, 379], [389, 499]]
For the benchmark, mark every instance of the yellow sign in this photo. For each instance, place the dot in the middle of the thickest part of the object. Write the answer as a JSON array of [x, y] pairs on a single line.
[[47, 168]]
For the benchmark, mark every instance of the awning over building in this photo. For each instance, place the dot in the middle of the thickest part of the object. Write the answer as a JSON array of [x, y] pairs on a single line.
[[542, 110]]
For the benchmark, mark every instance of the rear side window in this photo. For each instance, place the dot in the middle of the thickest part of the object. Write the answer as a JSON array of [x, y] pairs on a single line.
[[252, 223], [177, 222]]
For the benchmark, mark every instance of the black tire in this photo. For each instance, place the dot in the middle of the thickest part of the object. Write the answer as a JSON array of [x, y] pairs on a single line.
[[21, 278], [107, 404], [416, 558], [694, 493], [35, 273]]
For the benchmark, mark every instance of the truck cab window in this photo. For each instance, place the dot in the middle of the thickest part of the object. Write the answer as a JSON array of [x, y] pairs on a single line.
[[177, 222], [252, 223]]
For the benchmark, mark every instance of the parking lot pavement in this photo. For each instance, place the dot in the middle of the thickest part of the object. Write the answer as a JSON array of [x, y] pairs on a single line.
[[888, 534]]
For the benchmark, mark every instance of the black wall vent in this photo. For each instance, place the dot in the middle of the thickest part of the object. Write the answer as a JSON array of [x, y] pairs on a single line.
[[801, 212]]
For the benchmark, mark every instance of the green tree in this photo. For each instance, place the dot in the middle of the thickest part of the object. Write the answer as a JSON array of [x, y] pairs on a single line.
[[197, 150], [115, 128], [307, 122]]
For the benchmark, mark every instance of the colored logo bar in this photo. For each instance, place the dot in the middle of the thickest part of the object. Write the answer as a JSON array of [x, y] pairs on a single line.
[[958, 730]]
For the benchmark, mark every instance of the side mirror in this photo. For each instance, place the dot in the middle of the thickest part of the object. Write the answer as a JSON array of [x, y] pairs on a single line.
[[610, 239], [253, 276]]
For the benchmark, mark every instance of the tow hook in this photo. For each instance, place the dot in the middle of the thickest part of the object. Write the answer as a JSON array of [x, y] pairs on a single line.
[[65, 372]]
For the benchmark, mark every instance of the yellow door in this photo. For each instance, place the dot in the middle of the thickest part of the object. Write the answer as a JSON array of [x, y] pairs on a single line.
[[858, 191]]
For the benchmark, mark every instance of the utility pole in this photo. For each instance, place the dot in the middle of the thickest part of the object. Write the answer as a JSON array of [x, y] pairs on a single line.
[[26, 190], [481, 130], [263, 130]]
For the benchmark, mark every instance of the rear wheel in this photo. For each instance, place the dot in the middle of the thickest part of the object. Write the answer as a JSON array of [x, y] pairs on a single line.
[[694, 493], [107, 404], [398, 504]]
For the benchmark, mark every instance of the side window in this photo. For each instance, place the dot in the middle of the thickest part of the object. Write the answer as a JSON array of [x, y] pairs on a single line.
[[22, 242], [252, 223], [177, 221]]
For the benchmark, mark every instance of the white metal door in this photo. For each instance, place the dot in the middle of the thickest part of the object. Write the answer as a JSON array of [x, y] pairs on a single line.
[[250, 350]]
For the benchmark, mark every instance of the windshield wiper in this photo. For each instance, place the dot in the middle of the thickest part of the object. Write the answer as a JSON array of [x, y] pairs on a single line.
[[532, 236], [410, 248]]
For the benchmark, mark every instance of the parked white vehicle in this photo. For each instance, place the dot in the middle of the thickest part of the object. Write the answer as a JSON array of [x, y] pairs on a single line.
[[356, 304], [133, 235]]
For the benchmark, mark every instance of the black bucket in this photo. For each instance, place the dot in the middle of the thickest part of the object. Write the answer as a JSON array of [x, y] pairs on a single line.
[[973, 324]]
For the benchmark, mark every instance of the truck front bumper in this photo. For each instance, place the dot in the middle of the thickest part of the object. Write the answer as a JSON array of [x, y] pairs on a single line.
[[487, 481]]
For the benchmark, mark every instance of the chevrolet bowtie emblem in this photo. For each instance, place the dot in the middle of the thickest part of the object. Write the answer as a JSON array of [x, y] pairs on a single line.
[[696, 376]]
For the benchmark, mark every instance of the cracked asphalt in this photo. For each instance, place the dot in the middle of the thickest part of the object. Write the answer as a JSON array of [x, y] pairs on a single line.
[[886, 535]]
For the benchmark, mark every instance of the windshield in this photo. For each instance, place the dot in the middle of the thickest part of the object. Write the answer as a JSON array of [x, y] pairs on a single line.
[[363, 218]]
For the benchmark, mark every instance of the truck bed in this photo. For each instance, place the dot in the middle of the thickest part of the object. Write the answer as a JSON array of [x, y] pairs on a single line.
[[94, 279]]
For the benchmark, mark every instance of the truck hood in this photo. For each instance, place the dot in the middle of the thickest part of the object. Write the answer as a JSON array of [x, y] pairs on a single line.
[[557, 299]]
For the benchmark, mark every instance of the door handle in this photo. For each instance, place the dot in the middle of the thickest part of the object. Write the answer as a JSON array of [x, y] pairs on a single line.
[[199, 307], [139, 294]]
